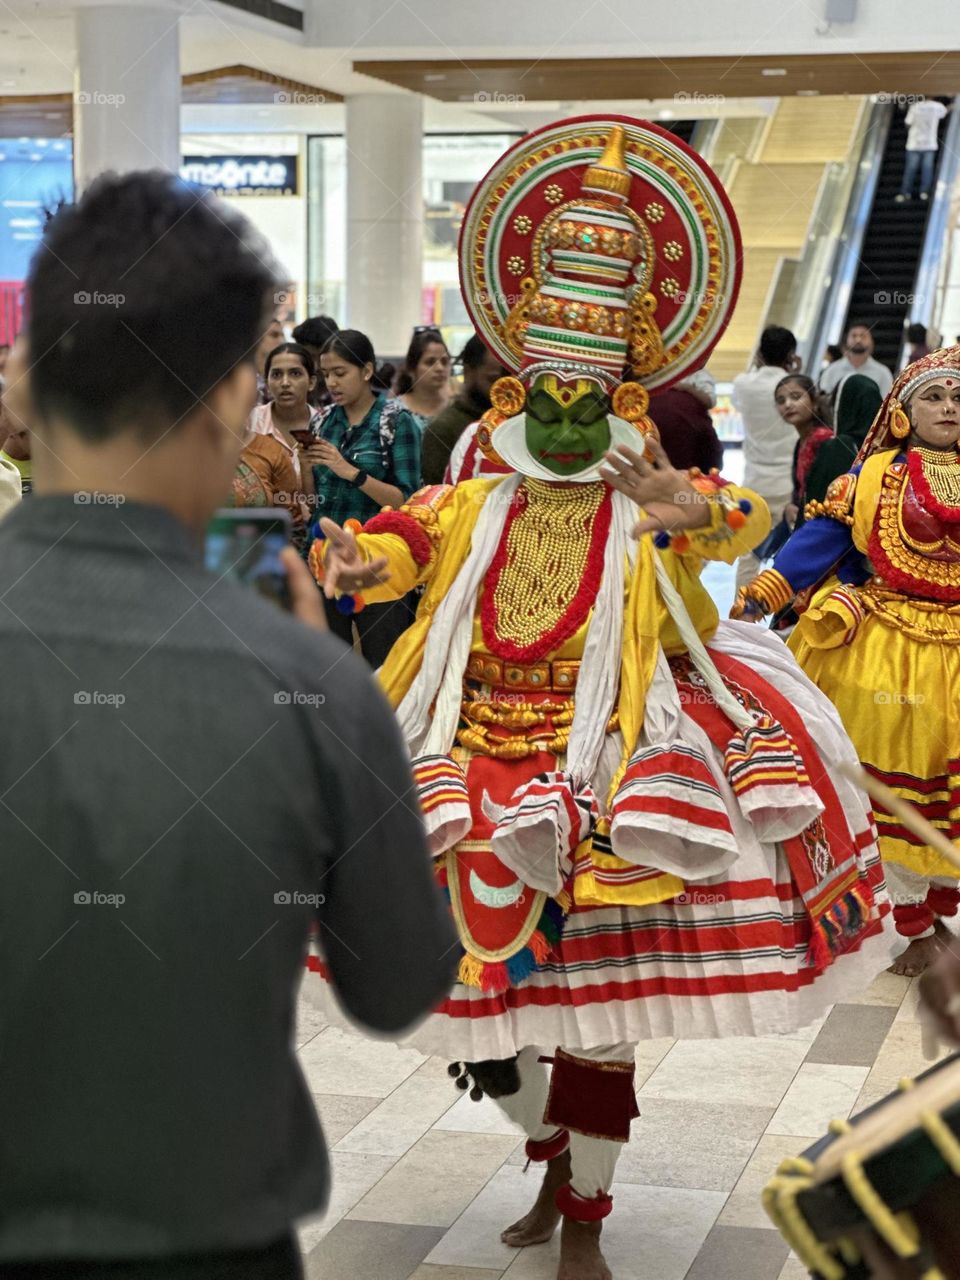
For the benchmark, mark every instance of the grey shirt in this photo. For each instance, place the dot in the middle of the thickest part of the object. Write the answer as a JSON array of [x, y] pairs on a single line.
[[170, 830]]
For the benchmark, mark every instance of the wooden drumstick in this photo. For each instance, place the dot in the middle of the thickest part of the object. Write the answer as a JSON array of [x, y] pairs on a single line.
[[911, 817]]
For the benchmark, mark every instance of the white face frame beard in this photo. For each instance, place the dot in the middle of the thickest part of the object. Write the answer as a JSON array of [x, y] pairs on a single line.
[[510, 442]]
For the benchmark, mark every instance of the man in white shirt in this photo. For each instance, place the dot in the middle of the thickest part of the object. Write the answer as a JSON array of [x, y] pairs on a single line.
[[857, 358], [923, 122], [768, 441]]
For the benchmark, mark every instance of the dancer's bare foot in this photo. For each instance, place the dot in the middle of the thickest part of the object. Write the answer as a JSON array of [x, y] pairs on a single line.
[[580, 1256], [921, 953], [540, 1223]]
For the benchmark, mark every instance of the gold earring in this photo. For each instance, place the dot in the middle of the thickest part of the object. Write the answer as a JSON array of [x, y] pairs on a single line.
[[899, 422]]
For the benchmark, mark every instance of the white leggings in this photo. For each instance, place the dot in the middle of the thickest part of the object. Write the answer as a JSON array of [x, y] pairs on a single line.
[[592, 1160]]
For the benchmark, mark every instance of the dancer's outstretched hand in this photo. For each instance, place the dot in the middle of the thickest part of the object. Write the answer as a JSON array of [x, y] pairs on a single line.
[[344, 567], [650, 480]]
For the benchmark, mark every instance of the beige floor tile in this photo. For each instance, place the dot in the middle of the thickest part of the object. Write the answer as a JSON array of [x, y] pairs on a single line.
[[654, 1233], [385, 1250], [909, 1010], [819, 1093], [400, 1121], [474, 1239], [886, 988], [649, 1055], [467, 1116], [436, 1180], [339, 1061], [427, 1271], [901, 1055], [743, 1208], [310, 1022], [749, 1072], [691, 1144], [353, 1176], [339, 1112], [793, 1269]]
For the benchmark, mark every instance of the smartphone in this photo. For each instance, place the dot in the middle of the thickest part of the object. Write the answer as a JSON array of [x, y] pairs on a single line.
[[245, 544], [303, 436]]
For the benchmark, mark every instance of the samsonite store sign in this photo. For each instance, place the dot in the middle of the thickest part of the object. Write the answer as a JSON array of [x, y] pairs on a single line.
[[243, 175]]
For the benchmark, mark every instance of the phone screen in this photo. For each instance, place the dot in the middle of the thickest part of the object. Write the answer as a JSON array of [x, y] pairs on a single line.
[[246, 545]]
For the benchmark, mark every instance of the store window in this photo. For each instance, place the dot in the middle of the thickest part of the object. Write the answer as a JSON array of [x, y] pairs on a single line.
[[326, 227], [36, 174], [453, 164]]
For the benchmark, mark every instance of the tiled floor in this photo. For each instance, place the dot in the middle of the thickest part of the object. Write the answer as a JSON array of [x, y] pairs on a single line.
[[425, 1179]]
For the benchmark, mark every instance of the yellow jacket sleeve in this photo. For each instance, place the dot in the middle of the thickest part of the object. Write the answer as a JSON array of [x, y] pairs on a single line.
[[411, 539], [720, 540]]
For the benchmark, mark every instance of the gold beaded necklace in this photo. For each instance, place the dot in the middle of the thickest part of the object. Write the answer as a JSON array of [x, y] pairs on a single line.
[[941, 470], [548, 543]]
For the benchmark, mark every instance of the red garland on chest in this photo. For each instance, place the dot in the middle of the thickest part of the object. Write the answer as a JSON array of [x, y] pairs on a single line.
[[576, 612]]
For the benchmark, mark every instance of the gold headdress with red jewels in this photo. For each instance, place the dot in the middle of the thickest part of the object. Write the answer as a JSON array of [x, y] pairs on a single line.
[[598, 248], [891, 426]]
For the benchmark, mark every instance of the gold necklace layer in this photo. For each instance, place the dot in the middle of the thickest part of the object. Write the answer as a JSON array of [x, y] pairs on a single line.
[[941, 469], [547, 547]]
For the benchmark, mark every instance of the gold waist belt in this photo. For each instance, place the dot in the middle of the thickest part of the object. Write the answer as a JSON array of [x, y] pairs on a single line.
[[559, 676]]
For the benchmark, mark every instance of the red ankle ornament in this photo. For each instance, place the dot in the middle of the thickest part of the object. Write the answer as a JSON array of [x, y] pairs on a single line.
[[579, 1208], [549, 1148]]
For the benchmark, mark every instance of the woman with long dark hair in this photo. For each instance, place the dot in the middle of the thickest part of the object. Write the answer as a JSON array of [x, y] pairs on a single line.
[[798, 403], [423, 383], [366, 457]]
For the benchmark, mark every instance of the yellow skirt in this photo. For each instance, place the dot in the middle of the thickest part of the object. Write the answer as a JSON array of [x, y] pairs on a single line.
[[891, 666]]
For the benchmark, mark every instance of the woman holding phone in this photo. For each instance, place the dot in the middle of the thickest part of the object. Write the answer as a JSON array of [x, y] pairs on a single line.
[[288, 416], [367, 457]]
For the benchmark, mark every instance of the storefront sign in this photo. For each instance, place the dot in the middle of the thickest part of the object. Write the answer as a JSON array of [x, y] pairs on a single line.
[[242, 175]]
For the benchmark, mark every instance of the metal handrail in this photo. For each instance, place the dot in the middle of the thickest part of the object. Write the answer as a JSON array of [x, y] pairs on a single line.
[[928, 280], [841, 271]]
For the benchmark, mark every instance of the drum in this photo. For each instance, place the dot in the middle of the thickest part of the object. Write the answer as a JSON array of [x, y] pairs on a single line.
[[871, 1173]]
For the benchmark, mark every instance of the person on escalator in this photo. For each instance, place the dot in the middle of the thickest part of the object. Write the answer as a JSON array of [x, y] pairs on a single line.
[[857, 358], [923, 122]]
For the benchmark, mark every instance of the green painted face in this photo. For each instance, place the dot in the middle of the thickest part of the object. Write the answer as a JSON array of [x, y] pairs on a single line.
[[567, 440]]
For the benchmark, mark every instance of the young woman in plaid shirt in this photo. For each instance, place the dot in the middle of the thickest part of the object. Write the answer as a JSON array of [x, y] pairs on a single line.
[[367, 458]]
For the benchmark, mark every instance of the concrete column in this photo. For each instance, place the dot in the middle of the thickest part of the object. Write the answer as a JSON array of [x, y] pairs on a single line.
[[384, 277], [127, 91]]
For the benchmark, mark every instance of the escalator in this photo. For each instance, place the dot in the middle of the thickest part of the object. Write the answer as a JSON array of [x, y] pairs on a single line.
[[882, 295], [682, 129]]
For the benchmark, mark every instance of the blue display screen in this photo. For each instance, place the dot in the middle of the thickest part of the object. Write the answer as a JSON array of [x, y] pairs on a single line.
[[35, 174]]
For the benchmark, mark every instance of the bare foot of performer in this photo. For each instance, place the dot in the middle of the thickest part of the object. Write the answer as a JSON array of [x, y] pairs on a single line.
[[921, 953], [541, 1222], [580, 1256]]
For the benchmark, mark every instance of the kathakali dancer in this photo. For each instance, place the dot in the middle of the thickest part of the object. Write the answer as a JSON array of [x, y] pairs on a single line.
[[878, 569], [630, 805]]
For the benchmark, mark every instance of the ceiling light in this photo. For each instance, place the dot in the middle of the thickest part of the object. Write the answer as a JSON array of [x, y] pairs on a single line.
[[433, 75], [774, 71], [808, 93]]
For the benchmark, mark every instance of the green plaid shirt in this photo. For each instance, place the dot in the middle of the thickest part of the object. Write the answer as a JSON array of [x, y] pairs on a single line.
[[340, 500]]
